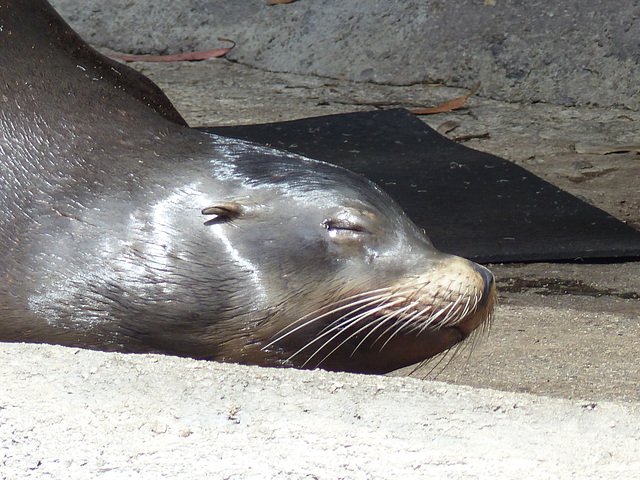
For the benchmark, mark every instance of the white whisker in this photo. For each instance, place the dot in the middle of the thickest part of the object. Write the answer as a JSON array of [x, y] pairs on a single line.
[[384, 320], [376, 318], [377, 322], [341, 329], [401, 323], [364, 303], [400, 327]]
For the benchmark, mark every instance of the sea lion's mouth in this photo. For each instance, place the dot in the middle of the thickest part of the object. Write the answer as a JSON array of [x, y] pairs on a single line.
[[460, 333], [385, 354]]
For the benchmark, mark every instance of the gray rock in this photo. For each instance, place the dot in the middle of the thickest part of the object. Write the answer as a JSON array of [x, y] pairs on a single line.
[[567, 53]]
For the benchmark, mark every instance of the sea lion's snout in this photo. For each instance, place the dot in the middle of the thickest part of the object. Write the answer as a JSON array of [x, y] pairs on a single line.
[[470, 292], [404, 318]]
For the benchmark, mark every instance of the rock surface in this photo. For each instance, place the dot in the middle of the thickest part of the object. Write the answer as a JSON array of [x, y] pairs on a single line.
[[567, 53]]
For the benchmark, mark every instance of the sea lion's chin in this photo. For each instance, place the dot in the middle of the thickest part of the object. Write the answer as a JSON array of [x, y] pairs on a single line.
[[398, 352]]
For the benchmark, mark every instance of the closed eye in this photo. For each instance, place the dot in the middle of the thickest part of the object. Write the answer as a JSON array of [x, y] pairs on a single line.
[[344, 226]]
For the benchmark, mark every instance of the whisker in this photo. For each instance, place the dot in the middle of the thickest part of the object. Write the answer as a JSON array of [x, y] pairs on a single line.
[[340, 328], [429, 322], [378, 322], [470, 345], [373, 302], [440, 358], [384, 319], [452, 353], [402, 323], [423, 318], [376, 318], [451, 312], [364, 303]]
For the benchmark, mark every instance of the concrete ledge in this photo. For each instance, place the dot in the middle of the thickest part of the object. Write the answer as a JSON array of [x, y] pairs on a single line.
[[76, 414]]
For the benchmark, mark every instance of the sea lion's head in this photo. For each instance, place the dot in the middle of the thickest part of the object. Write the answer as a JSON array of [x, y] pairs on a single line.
[[340, 277], [244, 254]]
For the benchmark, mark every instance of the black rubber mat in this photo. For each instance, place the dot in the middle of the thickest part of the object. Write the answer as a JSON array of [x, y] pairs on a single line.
[[471, 203]]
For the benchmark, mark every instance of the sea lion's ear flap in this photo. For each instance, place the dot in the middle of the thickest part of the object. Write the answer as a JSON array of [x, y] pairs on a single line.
[[224, 212]]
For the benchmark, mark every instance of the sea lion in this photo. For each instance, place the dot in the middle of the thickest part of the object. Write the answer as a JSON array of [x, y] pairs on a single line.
[[122, 229]]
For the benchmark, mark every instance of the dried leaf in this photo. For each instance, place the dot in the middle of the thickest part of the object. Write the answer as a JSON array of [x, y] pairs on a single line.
[[448, 106], [605, 149], [465, 138], [179, 57], [280, 2]]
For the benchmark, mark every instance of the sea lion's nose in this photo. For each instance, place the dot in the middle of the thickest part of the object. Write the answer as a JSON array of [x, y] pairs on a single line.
[[487, 278]]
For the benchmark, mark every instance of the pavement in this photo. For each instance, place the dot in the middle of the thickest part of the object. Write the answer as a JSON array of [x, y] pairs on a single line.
[[78, 414], [549, 392]]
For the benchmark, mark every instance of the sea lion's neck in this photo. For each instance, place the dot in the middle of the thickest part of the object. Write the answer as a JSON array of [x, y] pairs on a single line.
[[65, 109], [38, 46]]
